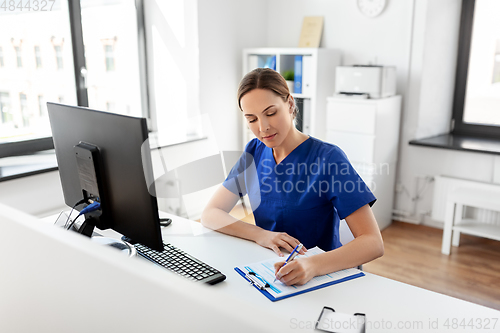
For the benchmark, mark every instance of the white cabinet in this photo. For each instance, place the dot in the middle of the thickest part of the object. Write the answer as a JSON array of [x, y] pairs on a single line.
[[368, 132], [318, 81]]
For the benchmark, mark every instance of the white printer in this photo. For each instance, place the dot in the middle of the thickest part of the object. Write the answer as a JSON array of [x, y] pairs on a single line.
[[365, 80]]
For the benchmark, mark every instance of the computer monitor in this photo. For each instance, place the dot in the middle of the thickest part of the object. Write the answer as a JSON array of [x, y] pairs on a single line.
[[114, 143]]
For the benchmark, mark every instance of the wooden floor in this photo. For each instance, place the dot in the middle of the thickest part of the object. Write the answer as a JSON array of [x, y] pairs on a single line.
[[413, 255]]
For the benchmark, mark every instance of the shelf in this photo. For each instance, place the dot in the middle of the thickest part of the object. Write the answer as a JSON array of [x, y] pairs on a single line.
[[300, 96], [467, 226], [282, 51], [318, 81], [461, 143], [21, 166]]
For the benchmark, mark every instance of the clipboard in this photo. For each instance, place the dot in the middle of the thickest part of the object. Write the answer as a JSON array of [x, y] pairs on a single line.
[[331, 321], [265, 285]]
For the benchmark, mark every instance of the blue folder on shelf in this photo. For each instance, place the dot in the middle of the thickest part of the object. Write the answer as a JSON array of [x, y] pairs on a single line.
[[297, 81], [271, 62], [261, 276]]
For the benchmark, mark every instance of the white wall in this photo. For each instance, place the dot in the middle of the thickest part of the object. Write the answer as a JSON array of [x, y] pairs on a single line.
[[428, 111], [226, 27], [362, 40]]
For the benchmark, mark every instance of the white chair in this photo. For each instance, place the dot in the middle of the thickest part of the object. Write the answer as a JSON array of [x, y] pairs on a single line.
[[345, 233], [346, 236]]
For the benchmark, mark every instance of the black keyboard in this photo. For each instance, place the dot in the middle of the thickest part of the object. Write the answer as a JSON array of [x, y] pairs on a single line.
[[179, 262]]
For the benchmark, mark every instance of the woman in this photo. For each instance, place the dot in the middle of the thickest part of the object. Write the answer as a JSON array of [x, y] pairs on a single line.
[[299, 188]]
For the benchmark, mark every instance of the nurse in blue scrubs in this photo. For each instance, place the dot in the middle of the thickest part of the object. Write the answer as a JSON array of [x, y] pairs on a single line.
[[299, 188]]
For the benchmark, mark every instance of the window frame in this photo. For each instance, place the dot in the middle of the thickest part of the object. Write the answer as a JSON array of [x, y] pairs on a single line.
[[31, 146], [465, 39]]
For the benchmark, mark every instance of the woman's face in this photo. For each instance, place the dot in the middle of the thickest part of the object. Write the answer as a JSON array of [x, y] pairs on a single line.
[[268, 116]]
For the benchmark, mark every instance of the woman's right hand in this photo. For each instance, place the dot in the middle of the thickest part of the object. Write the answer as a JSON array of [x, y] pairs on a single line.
[[276, 240]]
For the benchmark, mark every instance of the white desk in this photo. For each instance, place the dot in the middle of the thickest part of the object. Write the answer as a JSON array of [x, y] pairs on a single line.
[[389, 306], [385, 302]]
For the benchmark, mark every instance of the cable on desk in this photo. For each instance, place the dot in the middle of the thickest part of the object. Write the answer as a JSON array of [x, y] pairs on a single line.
[[90, 208], [72, 209]]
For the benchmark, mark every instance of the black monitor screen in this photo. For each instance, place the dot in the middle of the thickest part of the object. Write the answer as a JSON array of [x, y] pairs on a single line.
[[128, 207]]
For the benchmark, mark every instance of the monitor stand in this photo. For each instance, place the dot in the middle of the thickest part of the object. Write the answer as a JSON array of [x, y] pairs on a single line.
[[87, 227], [122, 246]]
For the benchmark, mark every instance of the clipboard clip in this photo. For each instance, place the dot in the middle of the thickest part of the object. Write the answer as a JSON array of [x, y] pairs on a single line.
[[256, 280]]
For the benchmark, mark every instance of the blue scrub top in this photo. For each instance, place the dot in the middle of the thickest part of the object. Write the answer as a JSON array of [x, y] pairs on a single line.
[[305, 195]]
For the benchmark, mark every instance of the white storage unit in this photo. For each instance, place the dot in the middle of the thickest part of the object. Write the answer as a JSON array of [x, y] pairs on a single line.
[[368, 132], [318, 81]]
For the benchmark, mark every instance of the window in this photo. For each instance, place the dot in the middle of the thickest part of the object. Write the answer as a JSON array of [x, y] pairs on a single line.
[[496, 65], [99, 65], [38, 57], [110, 58], [23, 102], [42, 108], [62, 80], [6, 113], [476, 109], [59, 56], [110, 106], [174, 49], [19, 57], [26, 122]]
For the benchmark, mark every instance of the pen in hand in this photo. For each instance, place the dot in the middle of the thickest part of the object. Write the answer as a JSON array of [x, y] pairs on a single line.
[[292, 255]]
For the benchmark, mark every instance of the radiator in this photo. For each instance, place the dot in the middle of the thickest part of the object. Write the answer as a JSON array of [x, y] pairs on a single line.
[[444, 185]]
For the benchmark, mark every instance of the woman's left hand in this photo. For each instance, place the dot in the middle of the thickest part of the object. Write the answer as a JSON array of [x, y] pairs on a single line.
[[298, 271]]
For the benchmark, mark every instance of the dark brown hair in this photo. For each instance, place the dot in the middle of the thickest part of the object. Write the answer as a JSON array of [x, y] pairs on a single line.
[[264, 78]]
